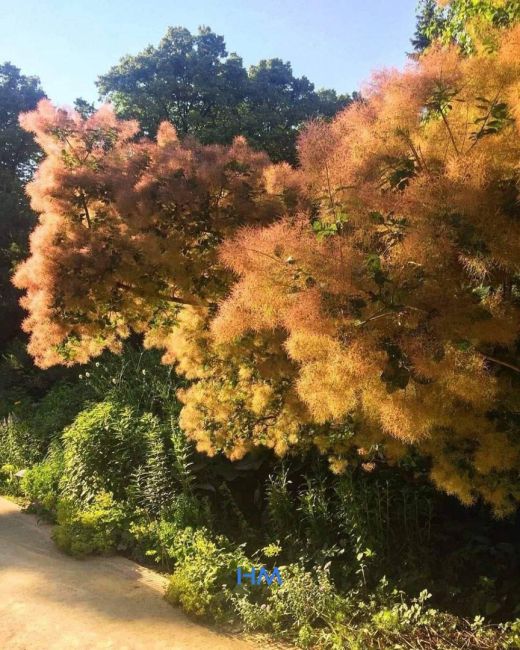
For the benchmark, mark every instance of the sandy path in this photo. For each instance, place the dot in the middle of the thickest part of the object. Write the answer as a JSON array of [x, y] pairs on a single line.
[[49, 601]]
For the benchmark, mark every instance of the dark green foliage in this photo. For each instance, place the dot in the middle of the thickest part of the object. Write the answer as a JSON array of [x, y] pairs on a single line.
[[277, 104], [153, 482], [137, 378], [280, 506], [22, 385], [84, 108], [16, 444], [427, 26], [364, 525], [182, 451], [191, 81], [103, 447], [27, 432], [18, 157]]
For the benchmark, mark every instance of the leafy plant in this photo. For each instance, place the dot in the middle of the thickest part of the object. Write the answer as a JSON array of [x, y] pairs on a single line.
[[104, 445], [95, 528], [40, 484], [202, 580]]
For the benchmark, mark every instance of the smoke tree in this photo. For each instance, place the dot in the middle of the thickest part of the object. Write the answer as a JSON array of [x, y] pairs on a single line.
[[128, 229], [366, 303]]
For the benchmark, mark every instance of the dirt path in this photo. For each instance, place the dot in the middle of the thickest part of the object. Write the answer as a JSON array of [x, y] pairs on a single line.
[[49, 601]]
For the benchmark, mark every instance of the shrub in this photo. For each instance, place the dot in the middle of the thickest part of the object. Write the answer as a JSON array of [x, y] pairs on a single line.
[[154, 539], [304, 603], [153, 484], [41, 482], [17, 446], [27, 432], [136, 377], [168, 539], [95, 528], [8, 482], [204, 576], [103, 447], [55, 411], [308, 609]]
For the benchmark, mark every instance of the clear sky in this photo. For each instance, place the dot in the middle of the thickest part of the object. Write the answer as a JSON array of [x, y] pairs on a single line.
[[335, 43]]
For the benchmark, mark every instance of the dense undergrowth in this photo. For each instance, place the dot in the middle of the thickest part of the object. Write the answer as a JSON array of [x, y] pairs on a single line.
[[105, 461]]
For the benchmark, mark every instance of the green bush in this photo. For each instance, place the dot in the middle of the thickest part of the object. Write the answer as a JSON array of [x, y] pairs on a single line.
[[309, 610], [104, 446], [17, 446], [205, 575], [164, 539], [135, 377], [31, 426], [305, 603], [9, 483], [55, 411], [40, 483], [93, 529]]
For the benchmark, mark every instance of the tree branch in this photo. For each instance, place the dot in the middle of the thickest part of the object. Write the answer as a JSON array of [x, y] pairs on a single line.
[[175, 299], [85, 207], [444, 119], [506, 364]]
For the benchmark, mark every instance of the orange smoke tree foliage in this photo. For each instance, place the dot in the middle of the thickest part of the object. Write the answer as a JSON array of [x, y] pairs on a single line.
[[369, 305], [393, 309], [128, 229]]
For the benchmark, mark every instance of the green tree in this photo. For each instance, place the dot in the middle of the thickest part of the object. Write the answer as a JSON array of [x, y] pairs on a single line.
[[194, 83], [277, 103], [18, 157], [464, 22], [428, 22], [84, 107]]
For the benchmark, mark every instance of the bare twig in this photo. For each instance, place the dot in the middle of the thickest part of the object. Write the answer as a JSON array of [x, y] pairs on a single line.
[[506, 364]]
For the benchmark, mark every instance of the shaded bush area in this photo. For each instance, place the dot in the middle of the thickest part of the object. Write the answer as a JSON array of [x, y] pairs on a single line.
[[105, 460]]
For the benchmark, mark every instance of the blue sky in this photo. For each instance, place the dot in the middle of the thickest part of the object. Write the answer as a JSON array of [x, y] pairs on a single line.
[[335, 43]]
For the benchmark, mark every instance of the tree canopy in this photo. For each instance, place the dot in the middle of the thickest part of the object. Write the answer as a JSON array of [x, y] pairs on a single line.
[[366, 302], [137, 222], [468, 23], [390, 317], [18, 156], [192, 82]]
